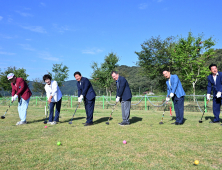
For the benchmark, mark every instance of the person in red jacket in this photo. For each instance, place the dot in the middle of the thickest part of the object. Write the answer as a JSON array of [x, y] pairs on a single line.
[[21, 91]]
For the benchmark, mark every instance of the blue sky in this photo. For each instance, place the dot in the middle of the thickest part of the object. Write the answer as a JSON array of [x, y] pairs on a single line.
[[37, 34]]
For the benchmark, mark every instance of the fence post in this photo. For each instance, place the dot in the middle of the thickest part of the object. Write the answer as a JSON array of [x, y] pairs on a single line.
[[145, 103], [103, 101], [172, 106], [36, 100], [205, 103], [71, 101]]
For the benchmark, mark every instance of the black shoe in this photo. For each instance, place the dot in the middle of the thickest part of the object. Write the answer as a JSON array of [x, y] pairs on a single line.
[[178, 123], [213, 122], [123, 124], [88, 124], [174, 123]]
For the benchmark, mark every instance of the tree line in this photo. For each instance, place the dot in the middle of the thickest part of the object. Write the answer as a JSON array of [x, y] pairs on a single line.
[[188, 57]]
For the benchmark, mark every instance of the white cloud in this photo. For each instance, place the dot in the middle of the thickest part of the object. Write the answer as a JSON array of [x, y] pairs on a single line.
[[24, 14], [92, 51], [48, 56], [38, 29], [42, 4], [1, 18], [27, 47], [6, 53], [62, 29], [143, 6]]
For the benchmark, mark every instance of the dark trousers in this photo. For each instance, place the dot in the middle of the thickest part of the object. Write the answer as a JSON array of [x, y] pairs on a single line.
[[216, 108], [89, 106], [179, 108], [57, 112]]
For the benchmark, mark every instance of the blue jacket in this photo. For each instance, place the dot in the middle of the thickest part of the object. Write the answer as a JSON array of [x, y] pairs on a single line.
[[176, 86], [217, 87], [86, 89], [123, 90]]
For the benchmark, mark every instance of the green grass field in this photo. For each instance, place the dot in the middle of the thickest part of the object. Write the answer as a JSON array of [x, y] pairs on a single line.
[[149, 145]]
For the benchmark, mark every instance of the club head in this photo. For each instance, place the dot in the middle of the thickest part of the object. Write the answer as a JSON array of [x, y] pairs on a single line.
[[161, 123], [2, 117], [70, 122], [45, 122], [107, 123], [200, 121]]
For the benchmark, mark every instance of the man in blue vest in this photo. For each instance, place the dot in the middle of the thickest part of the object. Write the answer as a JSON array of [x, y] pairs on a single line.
[[176, 92], [215, 80], [85, 90], [123, 95]]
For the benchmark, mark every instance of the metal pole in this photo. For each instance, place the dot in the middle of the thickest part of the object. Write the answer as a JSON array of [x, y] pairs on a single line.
[[145, 103], [205, 103], [103, 101]]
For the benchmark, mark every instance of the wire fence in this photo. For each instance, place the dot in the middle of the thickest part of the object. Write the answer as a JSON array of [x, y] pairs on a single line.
[[192, 103]]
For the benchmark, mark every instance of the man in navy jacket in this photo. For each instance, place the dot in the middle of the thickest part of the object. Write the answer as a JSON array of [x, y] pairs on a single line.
[[176, 92], [123, 94], [215, 80], [85, 90]]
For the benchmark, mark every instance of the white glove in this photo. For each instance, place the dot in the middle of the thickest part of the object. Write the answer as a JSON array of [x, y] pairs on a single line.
[[80, 98], [218, 94], [14, 97], [117, 99], [171, 95], [208, 97], [167, 99]]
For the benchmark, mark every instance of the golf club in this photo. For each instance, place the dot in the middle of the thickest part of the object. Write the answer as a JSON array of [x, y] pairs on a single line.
[[111, 113], [3, 117], [74, 113], [163, 113], [200, 121], [46, 113]]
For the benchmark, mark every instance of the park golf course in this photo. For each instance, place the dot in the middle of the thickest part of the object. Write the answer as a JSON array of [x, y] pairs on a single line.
[[149, 144]]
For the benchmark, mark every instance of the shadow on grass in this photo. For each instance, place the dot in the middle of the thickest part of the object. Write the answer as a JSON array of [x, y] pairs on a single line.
[[174, 118], [211, 118], [135, 119], [75, 118], [34, 121], [101, 120]]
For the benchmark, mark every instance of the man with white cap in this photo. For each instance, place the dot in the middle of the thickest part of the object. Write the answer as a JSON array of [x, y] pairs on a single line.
[[21, 91]]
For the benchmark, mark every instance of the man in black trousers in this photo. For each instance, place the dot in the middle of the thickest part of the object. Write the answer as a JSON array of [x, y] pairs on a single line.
[[123, 94], [85, 90]]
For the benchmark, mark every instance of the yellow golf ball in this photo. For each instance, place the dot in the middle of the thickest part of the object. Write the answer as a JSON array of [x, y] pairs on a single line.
[[196, 162]]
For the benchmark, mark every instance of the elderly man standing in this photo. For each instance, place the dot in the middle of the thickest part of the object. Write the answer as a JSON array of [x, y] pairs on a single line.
[[215, 80], [176, 92], [123, 94], [21, 91]]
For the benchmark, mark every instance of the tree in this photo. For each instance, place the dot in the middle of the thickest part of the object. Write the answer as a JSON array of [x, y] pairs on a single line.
[[190, 55], [60, 73], [38, 86], [102, 75], [155, 56], [5, 84]]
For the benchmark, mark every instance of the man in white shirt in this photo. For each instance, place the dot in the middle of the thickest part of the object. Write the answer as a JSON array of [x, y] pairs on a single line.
[[54, 96], [215, 81]]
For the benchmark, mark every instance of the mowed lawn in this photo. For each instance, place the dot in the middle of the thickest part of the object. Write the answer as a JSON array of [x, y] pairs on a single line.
[[149, 144]]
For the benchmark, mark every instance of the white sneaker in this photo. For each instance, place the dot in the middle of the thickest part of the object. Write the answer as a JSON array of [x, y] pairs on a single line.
[[21, 123], [49, 123], [53, 123]]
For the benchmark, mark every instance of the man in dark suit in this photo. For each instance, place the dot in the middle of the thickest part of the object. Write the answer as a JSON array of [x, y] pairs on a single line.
[[85, 90], [215, 80], [123, 94]]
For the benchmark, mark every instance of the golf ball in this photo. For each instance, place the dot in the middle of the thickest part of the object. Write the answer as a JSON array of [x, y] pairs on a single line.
[[45, 126], [124, 142], [196, 162], [58, 143]]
